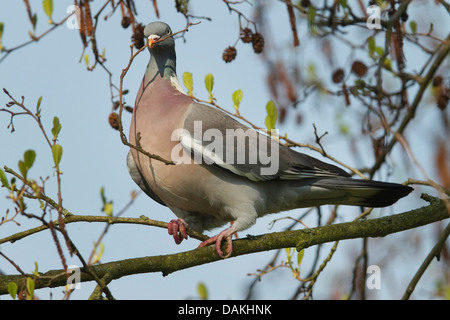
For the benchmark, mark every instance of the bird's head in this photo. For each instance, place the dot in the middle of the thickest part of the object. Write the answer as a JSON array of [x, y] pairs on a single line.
[[159, 36]]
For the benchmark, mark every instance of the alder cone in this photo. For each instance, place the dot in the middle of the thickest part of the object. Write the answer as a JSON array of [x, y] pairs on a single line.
[[246, 35], [126, 21], [338, 76], [138, 36], [257, 42], [229, 54], [359, 68], [113, 120]]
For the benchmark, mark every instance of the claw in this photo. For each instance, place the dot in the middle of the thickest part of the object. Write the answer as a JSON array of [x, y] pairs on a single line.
[[177, 228], [217, 239]]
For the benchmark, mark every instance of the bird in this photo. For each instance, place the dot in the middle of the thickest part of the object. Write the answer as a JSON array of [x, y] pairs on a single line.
[[215, 180]]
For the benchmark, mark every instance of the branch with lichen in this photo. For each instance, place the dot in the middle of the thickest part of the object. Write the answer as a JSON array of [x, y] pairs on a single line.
[[300, 239]]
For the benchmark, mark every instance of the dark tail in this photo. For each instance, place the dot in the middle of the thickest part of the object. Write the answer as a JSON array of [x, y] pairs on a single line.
[[366, 193]]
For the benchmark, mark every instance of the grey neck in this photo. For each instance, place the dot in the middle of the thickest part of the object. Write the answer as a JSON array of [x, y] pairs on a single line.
[[162, 65]]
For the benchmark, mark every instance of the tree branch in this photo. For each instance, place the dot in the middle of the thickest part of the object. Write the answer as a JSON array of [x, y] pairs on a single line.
[[444, 51], [300, 239], [435, 252], [111, 220]]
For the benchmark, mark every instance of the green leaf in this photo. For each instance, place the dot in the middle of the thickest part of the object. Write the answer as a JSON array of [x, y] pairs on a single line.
[[34, 21], [237, 98], [12, 289], [311, 20], [102, 195], [300, 257], [48, 9], [107, 205], [288, 253], [3, 179], [30, 288], [98, 256], [271, 118], [202, 291], [36, 269], [38, 107], [209, 82], [56, 128], [57, 151], [413, 26], [2, 26], [387, 64], [108, 209], [379, 51], [29, 157], [23, 168], [27, 163], [188, 82], [371, 43], [86, 59]]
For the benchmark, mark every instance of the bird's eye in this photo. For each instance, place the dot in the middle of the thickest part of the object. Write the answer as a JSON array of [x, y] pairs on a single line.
[[168, 31]]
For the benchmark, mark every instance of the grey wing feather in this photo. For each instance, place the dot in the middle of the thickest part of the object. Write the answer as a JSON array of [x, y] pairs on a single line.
[[218, 139]]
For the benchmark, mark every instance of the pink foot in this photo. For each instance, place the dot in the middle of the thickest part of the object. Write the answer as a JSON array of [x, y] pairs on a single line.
[[177, 228], [223, 235]]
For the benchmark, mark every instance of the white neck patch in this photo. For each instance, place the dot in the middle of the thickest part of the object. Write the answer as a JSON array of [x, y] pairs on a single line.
[[174, 82]]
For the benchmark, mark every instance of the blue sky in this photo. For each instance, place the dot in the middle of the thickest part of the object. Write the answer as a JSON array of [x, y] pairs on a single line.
[[94, 155]]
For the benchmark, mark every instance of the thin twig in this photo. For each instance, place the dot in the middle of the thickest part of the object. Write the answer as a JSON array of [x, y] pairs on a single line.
[[121, 104], [34, 38], [435, 252]]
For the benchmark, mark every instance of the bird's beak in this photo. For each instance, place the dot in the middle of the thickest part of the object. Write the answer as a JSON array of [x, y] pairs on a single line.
[[152, 40]]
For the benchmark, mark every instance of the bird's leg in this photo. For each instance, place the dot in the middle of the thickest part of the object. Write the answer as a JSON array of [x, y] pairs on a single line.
[[217, 239], [235, 234], [177, 228], [243, 221]]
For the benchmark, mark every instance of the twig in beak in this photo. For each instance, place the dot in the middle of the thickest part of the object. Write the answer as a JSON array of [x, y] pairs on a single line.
[[153, 41]]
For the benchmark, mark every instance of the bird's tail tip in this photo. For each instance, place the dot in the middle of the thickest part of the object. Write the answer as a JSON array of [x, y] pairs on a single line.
[[368, 193]]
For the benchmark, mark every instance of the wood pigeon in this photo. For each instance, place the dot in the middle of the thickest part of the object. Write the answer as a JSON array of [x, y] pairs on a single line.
[[218, 178]]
